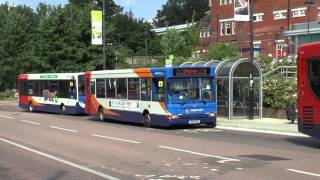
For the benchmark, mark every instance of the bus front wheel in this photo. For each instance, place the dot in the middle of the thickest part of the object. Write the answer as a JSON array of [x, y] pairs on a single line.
[[100, 114], [147, 121]]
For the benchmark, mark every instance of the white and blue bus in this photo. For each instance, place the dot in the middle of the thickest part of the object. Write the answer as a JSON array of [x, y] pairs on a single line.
[[153, 97], [52, 92]]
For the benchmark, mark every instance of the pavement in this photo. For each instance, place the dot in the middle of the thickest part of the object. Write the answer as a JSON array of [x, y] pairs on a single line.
[[264, 125]]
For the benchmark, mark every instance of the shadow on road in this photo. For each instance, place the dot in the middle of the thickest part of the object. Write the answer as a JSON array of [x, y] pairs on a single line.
[[305, 141], [115, 122]]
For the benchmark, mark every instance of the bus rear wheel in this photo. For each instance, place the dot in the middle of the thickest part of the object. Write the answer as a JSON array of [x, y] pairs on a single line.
[[62, 109], [147, 121], [100, 115], [30, 107]]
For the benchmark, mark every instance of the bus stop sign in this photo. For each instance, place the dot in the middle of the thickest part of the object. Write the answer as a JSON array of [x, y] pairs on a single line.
[[169, 61]]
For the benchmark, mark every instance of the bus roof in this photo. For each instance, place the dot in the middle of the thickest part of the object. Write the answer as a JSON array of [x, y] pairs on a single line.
[[50, 76], [154, 72]]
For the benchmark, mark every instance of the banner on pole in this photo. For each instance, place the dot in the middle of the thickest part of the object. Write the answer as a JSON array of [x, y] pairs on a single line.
[[241, 10], [96, 27]]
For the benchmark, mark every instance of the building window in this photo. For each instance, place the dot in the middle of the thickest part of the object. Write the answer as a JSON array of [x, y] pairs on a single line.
[[228, 28], [299, 12], [257, 49], [221, 2], [279, 48], [225, 2], [233, 27], [222, 28], [230, 1], [280, 14], [258, 17]]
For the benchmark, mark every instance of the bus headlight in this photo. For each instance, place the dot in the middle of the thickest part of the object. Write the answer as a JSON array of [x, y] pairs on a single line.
[[212, 114], [173, 117]]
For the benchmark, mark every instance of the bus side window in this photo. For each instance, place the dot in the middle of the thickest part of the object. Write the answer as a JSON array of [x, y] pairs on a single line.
[[146, 89], [158, 90], [93, 87], [101, 88]]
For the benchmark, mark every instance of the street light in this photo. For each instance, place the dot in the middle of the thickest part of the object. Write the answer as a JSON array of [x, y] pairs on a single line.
[[251, 108], [308, 3], [146, 34], [103, 32], [117, 53]]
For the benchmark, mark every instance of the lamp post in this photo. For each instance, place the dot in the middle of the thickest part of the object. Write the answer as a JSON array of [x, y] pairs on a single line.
[[251, 114], [146, 43], [103, 32], [309, 3]]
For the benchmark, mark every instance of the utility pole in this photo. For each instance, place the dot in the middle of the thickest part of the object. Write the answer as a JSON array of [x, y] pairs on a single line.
[[309, 3], [251, 115], [146, 43], [103, 32], [288, 28]]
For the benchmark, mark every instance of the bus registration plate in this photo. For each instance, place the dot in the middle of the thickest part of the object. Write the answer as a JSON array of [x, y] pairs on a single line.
[[194, 122]]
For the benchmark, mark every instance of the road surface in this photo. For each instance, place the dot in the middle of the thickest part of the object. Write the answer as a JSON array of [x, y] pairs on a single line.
[[50, 146]]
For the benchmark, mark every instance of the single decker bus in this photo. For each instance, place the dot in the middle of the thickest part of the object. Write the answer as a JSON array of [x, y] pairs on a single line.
[[309, 89], [165, 96], [53, 92]]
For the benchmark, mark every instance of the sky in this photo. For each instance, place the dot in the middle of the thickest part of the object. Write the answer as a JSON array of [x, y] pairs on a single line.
[[146, 9]]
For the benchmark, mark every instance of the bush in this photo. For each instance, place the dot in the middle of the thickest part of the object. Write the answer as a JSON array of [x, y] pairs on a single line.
[[279, 93], [8, 94]]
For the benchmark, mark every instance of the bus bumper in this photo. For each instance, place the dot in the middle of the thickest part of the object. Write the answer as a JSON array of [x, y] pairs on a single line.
[[193, 121], [183, 121], [312, 130]]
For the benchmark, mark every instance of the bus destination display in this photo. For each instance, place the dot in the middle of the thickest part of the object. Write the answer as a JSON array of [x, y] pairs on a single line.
[[191, 72]]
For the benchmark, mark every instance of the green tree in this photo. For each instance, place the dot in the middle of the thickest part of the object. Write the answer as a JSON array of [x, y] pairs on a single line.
[[16, 35], [176, 12], [223, 51]]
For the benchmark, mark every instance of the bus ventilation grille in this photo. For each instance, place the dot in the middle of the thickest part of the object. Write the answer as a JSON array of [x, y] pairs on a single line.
[[308, 114]]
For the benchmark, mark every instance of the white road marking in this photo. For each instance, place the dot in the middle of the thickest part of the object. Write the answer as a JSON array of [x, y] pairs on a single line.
[[105, 176], [63, 129], [262, 131], [7, 117], [223, 159], [113, 138], [30, 122], [304, 172]]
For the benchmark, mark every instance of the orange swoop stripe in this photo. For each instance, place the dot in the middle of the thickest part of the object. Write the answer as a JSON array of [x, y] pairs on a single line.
[[164, 108], [96, 105], [143, 72], [34, 102]]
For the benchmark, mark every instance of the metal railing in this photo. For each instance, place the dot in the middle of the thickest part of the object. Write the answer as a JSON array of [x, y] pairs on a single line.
[[283, 72]]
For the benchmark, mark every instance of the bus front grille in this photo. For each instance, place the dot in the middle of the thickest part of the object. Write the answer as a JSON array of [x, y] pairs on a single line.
[[308, 114]]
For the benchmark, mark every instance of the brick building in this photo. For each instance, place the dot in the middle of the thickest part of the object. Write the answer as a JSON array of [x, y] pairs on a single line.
[[272, 18]]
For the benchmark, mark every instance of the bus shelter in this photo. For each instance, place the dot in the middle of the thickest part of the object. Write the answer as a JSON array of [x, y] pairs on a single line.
[[233, 89]]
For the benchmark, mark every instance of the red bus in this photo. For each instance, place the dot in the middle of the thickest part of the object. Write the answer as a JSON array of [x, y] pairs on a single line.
[[309, 89]]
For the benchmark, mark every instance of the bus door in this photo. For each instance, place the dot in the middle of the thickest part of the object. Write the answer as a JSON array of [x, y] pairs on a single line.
[[90, 87], [309, 89], [158, 90], [81, 88]]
